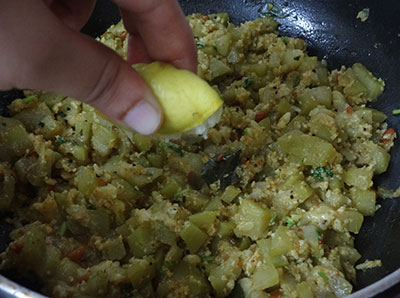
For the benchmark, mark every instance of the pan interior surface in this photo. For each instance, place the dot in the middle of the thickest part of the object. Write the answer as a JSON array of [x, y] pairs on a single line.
[[332, 32]]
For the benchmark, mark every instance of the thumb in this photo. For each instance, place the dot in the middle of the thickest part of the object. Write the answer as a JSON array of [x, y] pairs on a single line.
[[63, 61]]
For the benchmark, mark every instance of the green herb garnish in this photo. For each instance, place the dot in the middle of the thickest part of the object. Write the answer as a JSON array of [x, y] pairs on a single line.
[[323, 275], [168, 264], [321, 172], [273, 219], [60, 140], [285, 39], [200, 45], [175, 148], [246, 132], [247, 82], [318, 234], [171, 146], [396, 112], [290, 221], [209, 259], [29, 99], [63, 228]]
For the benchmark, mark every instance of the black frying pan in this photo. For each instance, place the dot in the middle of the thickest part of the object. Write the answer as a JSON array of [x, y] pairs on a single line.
[[332, 32]]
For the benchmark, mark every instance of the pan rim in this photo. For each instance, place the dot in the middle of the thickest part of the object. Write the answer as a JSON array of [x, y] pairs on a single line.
[[12, 289]]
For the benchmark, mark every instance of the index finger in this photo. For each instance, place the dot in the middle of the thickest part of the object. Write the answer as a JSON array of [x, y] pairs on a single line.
[[163, 29]]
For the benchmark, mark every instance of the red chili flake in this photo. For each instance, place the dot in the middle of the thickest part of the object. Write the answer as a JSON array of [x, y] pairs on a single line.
[[388, 135], [191, 176], [349, 110], [260, 115], [166, 247], [276, 294], [300, 230], [123, 35], [77, 254], [254, 200], [50, 187], [84, 277], [205, 18], [319, 241], [17, 246], [220, 157], [376, 193]]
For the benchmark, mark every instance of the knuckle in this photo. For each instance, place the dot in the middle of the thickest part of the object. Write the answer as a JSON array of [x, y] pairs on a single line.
[[105, 84]]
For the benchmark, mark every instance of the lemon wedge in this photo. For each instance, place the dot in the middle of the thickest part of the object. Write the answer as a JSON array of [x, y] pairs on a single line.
[[188, 102]]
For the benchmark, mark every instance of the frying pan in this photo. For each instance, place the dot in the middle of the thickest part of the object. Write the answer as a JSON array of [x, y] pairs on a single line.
[[332, 32]]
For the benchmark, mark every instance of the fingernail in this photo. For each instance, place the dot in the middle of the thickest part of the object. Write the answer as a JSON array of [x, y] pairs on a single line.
[[143, 118]]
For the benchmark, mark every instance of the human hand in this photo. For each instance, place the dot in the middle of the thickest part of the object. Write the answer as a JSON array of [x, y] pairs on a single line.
[[41, 48]]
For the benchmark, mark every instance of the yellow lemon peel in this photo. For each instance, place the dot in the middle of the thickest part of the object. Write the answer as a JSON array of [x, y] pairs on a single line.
[[187, 100]]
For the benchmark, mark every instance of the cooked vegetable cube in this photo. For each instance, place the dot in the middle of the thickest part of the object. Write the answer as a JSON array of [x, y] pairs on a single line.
[[364, 200], [352, 220], [310, 150], [193, 236], [14, 140], [204, 220], [142, 241], [252, 220], [265, 276], [359, 177]]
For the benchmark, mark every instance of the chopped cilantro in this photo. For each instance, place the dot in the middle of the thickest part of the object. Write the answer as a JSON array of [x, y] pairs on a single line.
[[246, 132], [171, 146], [214, 47], [285, 39], [323, 275], [273, 219], [396, 112], [29, 99], [247, 82], [200, 45], [60, 140], [321, 172], [290, 221], [168, 264], [318, 234], [209, 259], [175, 148]]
